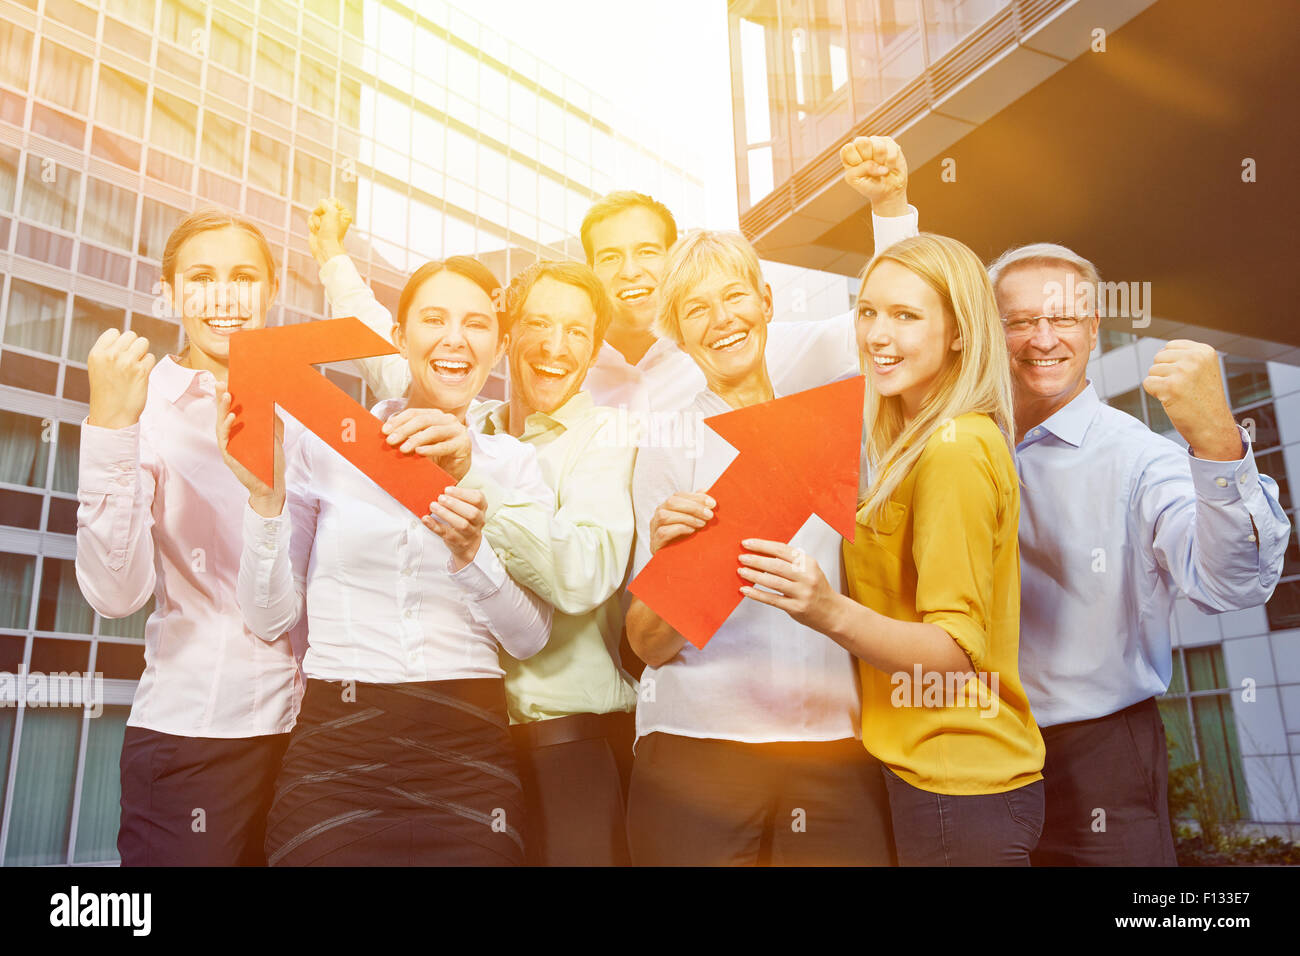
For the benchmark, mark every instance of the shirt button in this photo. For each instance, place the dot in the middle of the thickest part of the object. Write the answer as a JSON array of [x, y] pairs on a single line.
[[1250, 537], [1241, 480], [408, 571], [408, 614], [1221, 482], [413, 525]]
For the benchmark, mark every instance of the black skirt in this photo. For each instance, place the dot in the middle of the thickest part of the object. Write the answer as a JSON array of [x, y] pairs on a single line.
[[415, 774]]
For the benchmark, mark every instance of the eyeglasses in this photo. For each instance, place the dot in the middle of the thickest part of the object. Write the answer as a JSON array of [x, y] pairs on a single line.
[[1061, 323]]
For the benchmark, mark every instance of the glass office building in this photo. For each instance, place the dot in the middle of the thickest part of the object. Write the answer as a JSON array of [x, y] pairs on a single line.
[[937, 74], [117, 117]]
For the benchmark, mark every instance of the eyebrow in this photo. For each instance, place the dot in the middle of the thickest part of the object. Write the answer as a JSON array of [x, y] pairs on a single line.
[[204, 265], [896, 306]]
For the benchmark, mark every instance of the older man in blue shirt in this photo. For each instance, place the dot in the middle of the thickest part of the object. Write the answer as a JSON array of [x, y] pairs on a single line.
[[1115, 521]]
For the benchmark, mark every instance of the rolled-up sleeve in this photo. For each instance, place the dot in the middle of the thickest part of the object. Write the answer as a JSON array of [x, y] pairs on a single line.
[[517, 618], [956, 502], [1217, 527], [115, 553]]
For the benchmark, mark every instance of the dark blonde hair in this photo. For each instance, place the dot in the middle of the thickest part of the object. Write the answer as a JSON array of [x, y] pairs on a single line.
[[205, 219], [570, 273], [694, 256], [619, 201]]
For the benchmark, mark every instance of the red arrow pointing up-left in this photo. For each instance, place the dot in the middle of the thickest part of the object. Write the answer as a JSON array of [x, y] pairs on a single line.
[[274, 366], [799, 456]]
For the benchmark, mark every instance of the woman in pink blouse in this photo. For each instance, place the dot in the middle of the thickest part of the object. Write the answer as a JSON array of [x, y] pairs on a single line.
[[213, 710]]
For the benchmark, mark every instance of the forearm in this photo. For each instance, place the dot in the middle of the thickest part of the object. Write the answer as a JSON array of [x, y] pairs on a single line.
[[651, 637], [518, 619], [890, 645], [269, 601], [389, 376]]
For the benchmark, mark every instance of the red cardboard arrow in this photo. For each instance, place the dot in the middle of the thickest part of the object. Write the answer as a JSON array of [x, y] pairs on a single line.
[[274, 366], [799, 456]]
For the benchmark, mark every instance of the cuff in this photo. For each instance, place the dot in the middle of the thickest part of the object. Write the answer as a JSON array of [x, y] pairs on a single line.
[[888, 230], [482, 577], [109, 458], [1224, 481], [265, 535]]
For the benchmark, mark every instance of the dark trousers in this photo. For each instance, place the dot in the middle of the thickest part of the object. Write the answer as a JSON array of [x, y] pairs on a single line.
[[1107, 792], [196, 801], [572, 769], [703, 802], [982, 829]]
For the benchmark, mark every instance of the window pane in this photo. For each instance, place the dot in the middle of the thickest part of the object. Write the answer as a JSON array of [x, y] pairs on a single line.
[[157, 220], [274, 65], [164, 337], [1130, 402], [8, 178], [50, 193], [1284, 607], [24, 450], [178, 23], [1221, 770], [17, 574], [119, 102], [89, 321], [268, 160], [1247, 380], [223, 144], [1262, 422], [1274, 465], [42, 801], [61, 606], [63, 77], [316, 86], [110, 214], [15, 54], [174, 123], [101, 788], [35, 317], [67, 453], [229, 45]]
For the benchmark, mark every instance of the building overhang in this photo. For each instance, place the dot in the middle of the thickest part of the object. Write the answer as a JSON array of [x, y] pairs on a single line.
[[1135, 157]]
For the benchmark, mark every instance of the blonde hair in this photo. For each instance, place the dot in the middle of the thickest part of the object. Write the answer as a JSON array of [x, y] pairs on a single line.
[[204, 219], [975, 379], [694, 256], [1042, 253]]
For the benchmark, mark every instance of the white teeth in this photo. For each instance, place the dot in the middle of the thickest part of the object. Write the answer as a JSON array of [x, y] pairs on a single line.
[[1044, 363], [886, 359], [224, 323], [445, 366], [634, 295], [729, 340], [549, 370]]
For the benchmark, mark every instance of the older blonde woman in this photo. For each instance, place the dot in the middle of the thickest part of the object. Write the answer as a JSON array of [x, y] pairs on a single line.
[[934, 571], [746, 749]]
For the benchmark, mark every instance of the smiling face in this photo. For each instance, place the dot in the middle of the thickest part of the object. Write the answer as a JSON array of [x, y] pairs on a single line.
[[1048, 367], [451, 340], [220, 284], [552, 344], [906, 337], [629, 253], [724, 327]]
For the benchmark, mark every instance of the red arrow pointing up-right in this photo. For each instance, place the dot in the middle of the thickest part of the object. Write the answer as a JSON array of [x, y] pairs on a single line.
[[799, 456]]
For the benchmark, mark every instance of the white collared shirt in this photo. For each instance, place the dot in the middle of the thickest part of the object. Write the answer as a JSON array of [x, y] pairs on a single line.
[[763, 677], [156, 518], [382, 603]]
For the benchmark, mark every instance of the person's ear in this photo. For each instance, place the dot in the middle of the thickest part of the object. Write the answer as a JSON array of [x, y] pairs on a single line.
[[956, 344], [398, 335], [767, 301]]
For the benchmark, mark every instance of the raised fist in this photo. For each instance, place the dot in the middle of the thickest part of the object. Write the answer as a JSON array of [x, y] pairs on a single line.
[[876, 168], [118, 366], [326, 227]]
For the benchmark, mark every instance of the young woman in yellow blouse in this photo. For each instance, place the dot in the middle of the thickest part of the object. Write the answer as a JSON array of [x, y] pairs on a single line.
[[934, 569]]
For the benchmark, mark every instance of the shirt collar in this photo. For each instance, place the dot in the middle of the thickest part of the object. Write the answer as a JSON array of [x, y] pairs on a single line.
[[173, 379], [497, 419], [1070, 424], [610, 357]]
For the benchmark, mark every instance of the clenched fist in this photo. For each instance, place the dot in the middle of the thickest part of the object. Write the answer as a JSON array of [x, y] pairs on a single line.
[[326, 227], [876, 168], [435, 434], [118, 366], [1185, 379]]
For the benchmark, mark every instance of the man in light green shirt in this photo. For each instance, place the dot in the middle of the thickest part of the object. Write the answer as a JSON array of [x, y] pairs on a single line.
[[571, 705]]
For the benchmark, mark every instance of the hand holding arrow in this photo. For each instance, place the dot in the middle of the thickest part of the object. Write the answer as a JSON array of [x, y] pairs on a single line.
[[799, 456], [274, 366]]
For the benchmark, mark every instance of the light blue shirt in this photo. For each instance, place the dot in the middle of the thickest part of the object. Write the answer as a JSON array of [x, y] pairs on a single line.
[[1115, 520]]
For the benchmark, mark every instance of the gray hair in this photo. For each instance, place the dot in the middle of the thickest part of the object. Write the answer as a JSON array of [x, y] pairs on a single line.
[[1043, 252]]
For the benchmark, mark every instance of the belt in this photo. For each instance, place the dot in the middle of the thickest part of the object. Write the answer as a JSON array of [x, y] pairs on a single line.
[[565, 730]]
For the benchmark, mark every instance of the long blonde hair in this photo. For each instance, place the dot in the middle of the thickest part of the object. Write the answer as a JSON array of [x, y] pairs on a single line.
[[975, 379]]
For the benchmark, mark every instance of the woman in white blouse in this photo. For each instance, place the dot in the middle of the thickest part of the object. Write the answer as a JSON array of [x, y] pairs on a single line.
[[401, 753], [747, 749]]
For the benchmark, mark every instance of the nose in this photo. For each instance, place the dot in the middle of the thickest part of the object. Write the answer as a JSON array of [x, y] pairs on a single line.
[[454, 333], [628, 267], [1044, 336], [553, 341]]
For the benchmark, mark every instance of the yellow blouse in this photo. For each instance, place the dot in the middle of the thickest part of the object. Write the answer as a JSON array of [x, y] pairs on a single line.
[[946, 552]]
